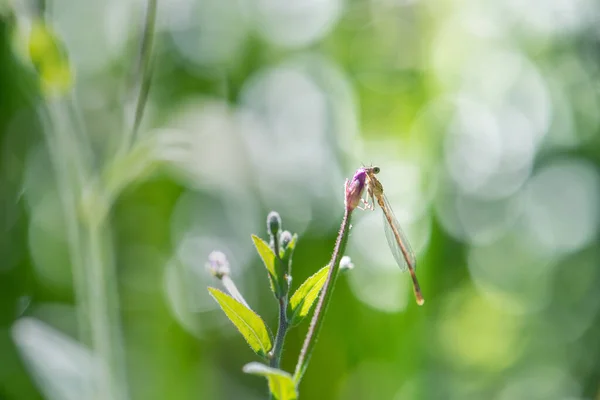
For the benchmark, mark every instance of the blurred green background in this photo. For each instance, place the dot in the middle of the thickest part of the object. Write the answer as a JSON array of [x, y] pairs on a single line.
[[483, 116]]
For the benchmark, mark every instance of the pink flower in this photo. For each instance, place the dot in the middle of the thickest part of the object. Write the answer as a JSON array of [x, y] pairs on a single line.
[[354, 188]]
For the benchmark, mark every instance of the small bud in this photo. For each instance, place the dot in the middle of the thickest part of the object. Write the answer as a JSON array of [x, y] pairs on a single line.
[[354, 189], [285, 239], [273, 223], [217, 264], [346, 263], [49, 57]]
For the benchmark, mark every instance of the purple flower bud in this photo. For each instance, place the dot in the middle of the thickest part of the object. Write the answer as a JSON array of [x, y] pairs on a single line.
[[217, 264], [285, 239], [354, 188]]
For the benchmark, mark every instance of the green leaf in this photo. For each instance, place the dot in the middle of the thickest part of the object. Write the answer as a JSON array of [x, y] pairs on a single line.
[[304, 298], [266, 253], [250, 325], [281, 383], [49, 57], [271, 263]]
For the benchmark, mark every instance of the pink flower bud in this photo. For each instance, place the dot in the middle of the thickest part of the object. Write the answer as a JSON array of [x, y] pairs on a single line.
[[354, 188]]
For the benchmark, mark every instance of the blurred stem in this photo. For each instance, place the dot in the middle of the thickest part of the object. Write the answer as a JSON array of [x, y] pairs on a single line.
[[104, 322], [233, 290], [84, 213], [324, 299], [143, 71], [60, 142], [38, 8]]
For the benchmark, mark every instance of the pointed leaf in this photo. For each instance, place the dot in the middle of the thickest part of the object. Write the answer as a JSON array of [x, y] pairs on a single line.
[[250, 325], [61, 366], [271, 263], [281, 383], [266, 253], [304, 298]]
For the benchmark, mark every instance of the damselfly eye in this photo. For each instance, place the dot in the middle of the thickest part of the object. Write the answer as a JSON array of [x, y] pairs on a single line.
[[376, 170]]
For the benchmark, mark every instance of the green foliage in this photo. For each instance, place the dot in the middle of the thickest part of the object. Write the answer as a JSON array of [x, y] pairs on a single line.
[[281, 383], [273, 265], [393, 78], [49, 58], [250, 325], [277, 258], [266, 253], [305, 296]]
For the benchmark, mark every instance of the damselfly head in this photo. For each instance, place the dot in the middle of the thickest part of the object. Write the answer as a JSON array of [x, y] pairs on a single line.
[[374, 187], [372, 170]]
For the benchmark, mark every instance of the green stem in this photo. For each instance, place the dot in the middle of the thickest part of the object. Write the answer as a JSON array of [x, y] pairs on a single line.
[[280, 338], [103, 308], [324, 299], [90, 251], [275, 238], [60, 142], [281, 332]]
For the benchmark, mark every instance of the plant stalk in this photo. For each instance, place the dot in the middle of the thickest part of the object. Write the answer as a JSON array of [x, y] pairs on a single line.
[[281, 332], [324, 299], [103, 308], [90, 252]]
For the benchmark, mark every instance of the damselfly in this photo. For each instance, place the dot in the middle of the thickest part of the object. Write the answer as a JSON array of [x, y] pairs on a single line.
[[403, 254]]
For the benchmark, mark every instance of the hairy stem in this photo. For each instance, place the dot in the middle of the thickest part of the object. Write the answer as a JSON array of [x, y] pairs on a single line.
[[281, 332], [324, 299]]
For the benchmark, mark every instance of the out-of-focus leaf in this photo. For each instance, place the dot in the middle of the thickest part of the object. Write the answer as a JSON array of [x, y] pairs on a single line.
[[304, 298], [281, 383], [62, 367], [49, 57], [135, 165], [250, 325]]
